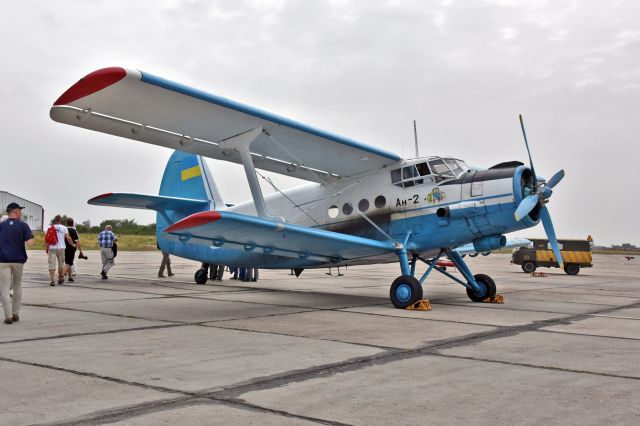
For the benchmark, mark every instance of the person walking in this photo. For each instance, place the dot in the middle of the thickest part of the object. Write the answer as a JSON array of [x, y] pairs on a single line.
[[13, 255], [105, 240], [56, 251], [217, 272], [166, 263], [70, 251]]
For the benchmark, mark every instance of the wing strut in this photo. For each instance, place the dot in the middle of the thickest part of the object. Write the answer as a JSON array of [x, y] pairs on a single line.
[[242, 144]]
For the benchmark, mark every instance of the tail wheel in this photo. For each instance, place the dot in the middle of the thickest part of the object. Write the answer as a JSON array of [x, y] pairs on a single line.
[[201, 276], [405, 291], [528, 267], [487, 287], [572, 268]]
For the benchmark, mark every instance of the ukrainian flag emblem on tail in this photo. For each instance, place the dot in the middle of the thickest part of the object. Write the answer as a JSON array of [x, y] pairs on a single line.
[[190, 173]]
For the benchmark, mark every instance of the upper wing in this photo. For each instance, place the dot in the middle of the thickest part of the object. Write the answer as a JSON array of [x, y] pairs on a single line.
[[222, 228], [148, 202], [137, 105]]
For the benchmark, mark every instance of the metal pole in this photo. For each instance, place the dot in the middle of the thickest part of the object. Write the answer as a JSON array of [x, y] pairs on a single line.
[[415, 135]]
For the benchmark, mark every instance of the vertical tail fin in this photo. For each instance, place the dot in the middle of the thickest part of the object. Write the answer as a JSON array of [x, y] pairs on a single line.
[[187, 176]]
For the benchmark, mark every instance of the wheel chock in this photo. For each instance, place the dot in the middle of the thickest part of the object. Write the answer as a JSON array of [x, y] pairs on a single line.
[[538, 274], [420, 305], [498, 298]]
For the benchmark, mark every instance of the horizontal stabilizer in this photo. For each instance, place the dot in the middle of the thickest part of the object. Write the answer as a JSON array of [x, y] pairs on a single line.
[[148, 202], [254, 234]]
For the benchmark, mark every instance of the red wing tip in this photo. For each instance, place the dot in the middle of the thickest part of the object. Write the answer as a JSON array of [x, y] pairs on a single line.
[[91, 83], [99, 197], [194, 220]]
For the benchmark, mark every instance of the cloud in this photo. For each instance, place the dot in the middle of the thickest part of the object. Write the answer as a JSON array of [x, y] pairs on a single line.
[[463, 70]]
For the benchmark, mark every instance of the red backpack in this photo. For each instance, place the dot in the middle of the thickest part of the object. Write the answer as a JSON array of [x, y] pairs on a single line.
[[51, 237]]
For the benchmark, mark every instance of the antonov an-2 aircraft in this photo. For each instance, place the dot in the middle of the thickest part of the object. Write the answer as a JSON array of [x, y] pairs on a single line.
[[362, 205]]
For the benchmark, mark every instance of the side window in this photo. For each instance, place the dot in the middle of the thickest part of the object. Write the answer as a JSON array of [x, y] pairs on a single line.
[[395, 176], [363, 205], [380, 201], [333, 212], [347, 208], [560, 245]]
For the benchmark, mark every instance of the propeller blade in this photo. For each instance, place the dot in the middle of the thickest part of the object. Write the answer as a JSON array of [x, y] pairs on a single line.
[[525, 207], [551, 234], [527, 145], [555, 179]]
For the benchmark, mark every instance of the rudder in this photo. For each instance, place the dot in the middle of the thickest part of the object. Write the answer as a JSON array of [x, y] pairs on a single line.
[[187, 176]]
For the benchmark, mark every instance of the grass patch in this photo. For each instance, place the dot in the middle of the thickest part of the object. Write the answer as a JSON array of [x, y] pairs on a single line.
[[90, 242]]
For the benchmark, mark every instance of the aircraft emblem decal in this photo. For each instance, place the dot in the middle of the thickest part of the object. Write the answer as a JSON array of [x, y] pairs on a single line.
[[436, 196]]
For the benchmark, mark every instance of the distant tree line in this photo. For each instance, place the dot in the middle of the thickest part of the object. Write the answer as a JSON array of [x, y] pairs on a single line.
[[624, 247], [120, 226]]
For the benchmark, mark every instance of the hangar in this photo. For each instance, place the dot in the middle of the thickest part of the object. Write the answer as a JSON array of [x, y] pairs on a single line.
[[33, 214]]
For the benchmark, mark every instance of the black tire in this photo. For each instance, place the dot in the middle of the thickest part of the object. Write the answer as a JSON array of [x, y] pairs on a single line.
[[572, 268], [529, 267], [473, 254], [485, 253], [488, 285], [405, 291], [201, 276]]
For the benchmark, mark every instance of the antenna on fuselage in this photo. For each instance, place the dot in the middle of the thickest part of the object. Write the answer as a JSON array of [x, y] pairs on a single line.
[[415, 136]]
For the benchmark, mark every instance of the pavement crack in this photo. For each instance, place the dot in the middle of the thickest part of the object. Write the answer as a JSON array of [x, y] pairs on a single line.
[[96, 376]]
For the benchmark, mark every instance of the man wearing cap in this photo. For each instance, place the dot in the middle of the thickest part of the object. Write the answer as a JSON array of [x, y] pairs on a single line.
[[13, 255]]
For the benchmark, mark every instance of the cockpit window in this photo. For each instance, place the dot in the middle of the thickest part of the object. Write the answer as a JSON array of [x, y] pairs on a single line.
[[423, 169], [439, 167], [453, 165], [463, 165], [406, 177]]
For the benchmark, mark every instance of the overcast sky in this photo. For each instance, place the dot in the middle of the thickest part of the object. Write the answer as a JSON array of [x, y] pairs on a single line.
[[362, 69]]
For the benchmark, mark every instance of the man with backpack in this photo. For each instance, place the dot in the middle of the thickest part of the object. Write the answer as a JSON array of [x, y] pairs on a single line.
[[13, 255], [55, 244]]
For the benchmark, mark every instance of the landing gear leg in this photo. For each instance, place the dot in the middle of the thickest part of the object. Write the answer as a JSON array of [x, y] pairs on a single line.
[[405, 290], [479, 287]]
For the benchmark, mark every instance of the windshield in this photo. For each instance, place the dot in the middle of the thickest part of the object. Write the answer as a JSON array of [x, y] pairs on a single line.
[[448, 168]]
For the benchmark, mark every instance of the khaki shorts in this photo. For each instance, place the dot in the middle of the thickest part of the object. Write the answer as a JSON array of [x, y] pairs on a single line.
[[56, 255]]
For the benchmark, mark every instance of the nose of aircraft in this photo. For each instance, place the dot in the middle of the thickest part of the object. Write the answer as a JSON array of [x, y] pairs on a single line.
[[540, 191]]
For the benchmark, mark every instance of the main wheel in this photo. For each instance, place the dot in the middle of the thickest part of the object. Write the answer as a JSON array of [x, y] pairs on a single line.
[[572, 268], [528, 267], [474, 254], [201, 276], [405, 291], [488, 288]]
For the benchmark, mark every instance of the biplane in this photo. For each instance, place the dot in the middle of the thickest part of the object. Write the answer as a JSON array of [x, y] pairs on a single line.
[[360, 205]]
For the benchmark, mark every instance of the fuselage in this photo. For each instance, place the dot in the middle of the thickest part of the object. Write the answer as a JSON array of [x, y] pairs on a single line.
[[437, 202]]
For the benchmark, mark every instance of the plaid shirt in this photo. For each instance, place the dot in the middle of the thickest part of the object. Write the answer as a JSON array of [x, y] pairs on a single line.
[[106, 239]]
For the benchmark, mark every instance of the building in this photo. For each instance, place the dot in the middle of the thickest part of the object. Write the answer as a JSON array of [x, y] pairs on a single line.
[[33, 214]]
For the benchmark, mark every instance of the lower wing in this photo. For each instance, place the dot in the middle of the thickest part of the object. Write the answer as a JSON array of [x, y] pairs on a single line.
[[254, 234]]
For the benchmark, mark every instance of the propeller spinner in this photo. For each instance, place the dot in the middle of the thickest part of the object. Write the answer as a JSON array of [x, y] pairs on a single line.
[[541, 191]]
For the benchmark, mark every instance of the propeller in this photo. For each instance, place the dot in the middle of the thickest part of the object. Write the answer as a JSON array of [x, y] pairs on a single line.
[[540, 191]]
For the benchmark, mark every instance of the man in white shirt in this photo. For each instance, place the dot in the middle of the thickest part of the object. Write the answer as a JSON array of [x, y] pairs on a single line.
[[56, 251]]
